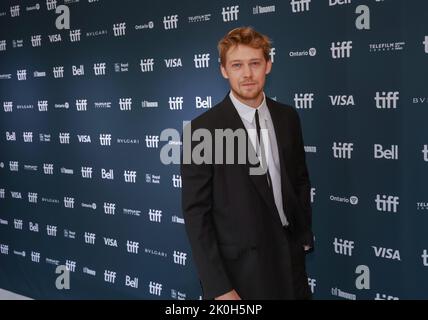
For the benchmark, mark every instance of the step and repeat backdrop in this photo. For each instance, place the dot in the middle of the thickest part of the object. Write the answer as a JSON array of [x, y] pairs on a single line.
[[87, 208]]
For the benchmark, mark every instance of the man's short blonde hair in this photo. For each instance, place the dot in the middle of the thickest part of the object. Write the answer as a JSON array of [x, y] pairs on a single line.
[[245, 36]]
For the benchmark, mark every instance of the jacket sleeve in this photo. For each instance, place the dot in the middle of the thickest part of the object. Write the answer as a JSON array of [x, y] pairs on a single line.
[[303, 186], [197, 209]]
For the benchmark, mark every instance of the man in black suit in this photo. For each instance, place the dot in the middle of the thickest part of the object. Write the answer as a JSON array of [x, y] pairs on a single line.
[[248, 230]]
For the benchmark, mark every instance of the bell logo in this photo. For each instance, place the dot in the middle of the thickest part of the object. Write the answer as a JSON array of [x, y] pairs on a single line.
[[389, 154], [203, 104]]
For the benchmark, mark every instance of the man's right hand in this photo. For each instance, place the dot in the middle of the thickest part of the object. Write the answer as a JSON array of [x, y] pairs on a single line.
[[231, 295]]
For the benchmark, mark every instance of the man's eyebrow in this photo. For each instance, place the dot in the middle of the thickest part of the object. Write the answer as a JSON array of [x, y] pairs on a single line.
[[240, 60]]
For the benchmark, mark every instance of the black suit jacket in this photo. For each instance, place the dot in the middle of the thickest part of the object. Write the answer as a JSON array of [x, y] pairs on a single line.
[[233, 226]]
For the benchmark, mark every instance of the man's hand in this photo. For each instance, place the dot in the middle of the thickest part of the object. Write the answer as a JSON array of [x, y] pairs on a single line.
[[307, 248], [231, 295]]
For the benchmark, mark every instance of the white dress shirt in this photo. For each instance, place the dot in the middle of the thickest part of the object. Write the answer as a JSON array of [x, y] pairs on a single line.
[[247, 115]]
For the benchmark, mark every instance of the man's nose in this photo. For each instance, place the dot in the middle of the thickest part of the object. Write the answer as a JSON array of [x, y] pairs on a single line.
[[247, 72]]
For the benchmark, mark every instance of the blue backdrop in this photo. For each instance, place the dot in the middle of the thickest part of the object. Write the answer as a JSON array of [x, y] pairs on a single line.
[[81, 181]]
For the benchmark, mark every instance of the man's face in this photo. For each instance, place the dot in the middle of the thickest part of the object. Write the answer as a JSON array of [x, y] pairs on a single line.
[[246, 70]]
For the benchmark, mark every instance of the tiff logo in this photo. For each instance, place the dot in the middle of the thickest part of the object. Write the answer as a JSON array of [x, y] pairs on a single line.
[[36, 40], [155, 215], [89, 238], [387, 100], [426, 44], [272, 54], [119, 29], [109, 208], [21, 74], [202, 60], [81, 104], [230, 13], [70, 265], [14, 165], [14, 11], [69, 202], [75, 35], [130, 176], [176, 181], [8, 106], [35, 257], [425, 152], [175, 103], [386, 203], [303, 100], [342, 150], [312, 284], [2, 45], [132, 246], [86, 172], [51, 230], [125, 104], [17, 224], [64, 138], [32, 197], [180, 257], [100, 69], [105, 139], [28, 136], [147, 65], [48, 168], [152, 141], [340, 50], [109, 276], [50, 5], [343, 247], [58, 72], [155, 288], [170, 22], [425, 257], [299, 5], [42, 105]]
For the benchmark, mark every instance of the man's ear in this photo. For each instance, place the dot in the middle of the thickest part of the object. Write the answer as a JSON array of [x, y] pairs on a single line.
[[224, 72], [268, 66]]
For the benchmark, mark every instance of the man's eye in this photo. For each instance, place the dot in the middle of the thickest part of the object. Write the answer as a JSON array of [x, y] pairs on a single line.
[[236, 65], [256, 63]]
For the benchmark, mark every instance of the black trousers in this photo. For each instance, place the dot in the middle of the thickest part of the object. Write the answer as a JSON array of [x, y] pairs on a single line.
[[298, 265]]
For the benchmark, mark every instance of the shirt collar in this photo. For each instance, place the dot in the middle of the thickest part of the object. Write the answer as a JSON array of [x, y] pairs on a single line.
[[246, 112]]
